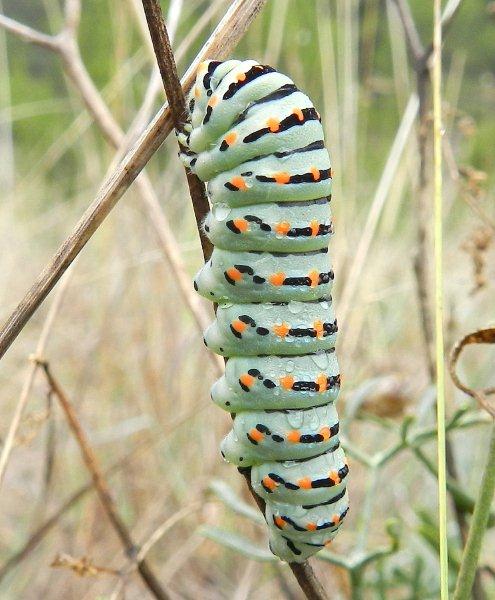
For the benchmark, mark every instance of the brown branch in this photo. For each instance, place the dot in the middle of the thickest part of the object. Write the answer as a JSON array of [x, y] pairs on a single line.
[[177, 104], [221, 42], [68, 49], [166, 62], [102, 488], [39, 534]]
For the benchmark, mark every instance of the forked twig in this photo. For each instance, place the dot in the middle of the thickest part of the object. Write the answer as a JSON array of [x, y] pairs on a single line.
[[175, 95], [223, 39], [102, 488], [66, 46]]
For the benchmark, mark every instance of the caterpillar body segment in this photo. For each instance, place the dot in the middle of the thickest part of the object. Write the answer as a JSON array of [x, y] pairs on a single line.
[[258, 143], [290, 328], [292, 482], [263, 276], [278, 382], [298, 227], [281, 435]]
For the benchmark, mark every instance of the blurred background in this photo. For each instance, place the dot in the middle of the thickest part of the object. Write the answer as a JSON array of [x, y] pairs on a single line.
[[124, 345]]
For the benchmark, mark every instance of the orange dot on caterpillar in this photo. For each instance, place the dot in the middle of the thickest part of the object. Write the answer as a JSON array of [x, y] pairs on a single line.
[[239, 183], [234, 274], [299, 113], [247, 379], [287, 382], [321, 382], [294, 436], [277, 279], [230, 138], [282, 177], [273, 124], [239, 326], [316, 173], [241, 224], [314, 278], [282, 228], [269, 483], [318, 327], [304, 483], [281, 330], [279, 522], [256, 435]]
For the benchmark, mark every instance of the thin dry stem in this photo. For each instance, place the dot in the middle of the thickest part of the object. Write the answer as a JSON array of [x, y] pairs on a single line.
[[68, 49], [29, 381], [223, 39], [102, 488]]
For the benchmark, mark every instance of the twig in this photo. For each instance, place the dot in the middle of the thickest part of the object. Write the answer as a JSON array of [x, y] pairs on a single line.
[[102, 488], [175, 95], [223, 39], [28, 383], [177, 104], [39, 534], [66, 46], [28, 34]]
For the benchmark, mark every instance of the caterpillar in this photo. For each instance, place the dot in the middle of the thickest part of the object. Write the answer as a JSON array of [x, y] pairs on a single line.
[[258, 143]]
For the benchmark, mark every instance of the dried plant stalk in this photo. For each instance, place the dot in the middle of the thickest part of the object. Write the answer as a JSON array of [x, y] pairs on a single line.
[[221, 42]]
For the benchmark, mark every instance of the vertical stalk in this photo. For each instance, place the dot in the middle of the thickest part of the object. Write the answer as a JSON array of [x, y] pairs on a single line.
[[439, 344], [479, 523]]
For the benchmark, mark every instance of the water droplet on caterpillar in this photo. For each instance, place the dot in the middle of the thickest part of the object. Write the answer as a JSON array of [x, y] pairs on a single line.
[[295, 418], [320, 358], [295, 307], [221, 211], [289, 367], [313, 419]]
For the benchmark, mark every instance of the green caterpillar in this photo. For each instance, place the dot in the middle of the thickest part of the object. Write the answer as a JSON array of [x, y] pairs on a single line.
[[258, 142]]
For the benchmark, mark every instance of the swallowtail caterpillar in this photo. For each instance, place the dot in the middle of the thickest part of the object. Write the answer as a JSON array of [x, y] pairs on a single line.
[[258, 143]]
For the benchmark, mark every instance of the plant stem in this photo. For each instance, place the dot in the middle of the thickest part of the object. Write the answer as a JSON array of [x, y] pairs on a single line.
[[439, 344], [479, 523]]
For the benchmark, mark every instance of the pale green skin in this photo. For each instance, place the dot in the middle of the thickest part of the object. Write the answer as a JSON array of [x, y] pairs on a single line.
[[237, 449], [299, 216], [318, 468], [304, 358], [212, 283], [259, 191], [304, 368], [301, 517], [220, 339]]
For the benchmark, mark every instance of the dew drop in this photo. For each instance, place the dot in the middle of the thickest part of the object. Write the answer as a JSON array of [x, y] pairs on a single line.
[[320, 358], [221, 211], [295, 307], [295, 418]]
